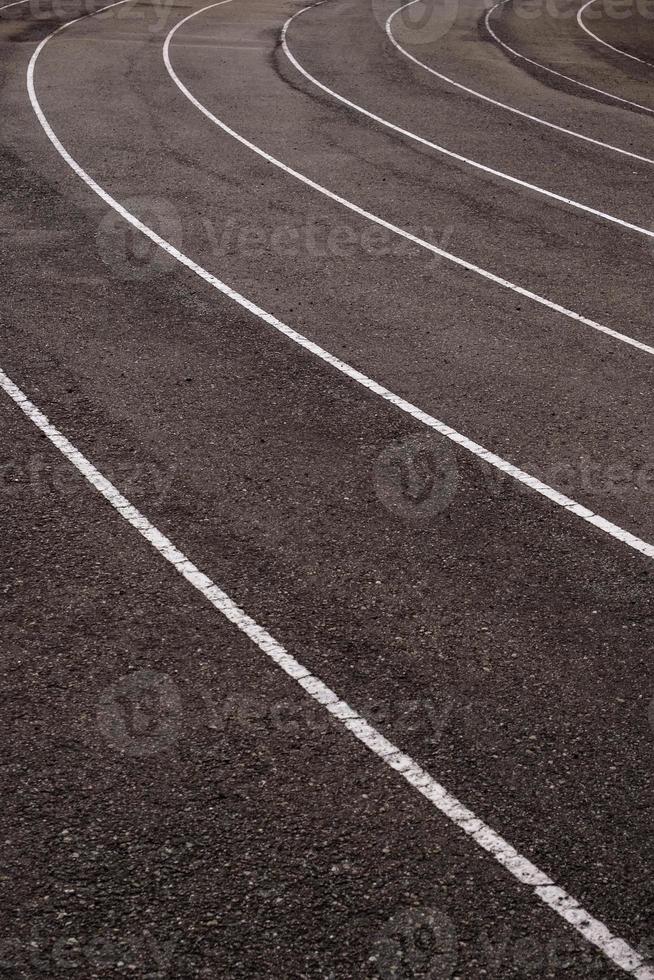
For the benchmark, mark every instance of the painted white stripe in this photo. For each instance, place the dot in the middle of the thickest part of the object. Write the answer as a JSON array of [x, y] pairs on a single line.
[[15, 3], [603, 215], [625, 54], [551, 71], [523, 870], [463, 263], [496, 102], [560, 499]]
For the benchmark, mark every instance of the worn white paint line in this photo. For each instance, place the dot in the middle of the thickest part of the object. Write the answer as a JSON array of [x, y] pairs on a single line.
[[625, 54], [503, 105], [560, 499], [551, 71], [435, 249], [475, 164], [15, 3], [523, 870]]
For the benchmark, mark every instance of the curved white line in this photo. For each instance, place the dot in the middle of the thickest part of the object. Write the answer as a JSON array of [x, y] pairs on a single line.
[[572, 506], [625, 54], [15, 3], [520, 867], [503, 105], [551, 71], [463, 263], [542, 887], [346, 368], [603, 215]]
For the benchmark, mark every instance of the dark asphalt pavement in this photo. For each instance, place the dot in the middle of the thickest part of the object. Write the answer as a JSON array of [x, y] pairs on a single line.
[[174, 805]]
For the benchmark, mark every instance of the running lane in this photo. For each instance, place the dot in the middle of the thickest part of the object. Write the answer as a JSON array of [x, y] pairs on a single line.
[[549, 34], [500, 601], [502, 370], [355, 62], [465, 53]]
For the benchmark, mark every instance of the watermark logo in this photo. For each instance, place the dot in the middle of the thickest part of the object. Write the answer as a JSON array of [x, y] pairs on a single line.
[[39, 475], [419, 23], [318, 237], [650, 714], [44, 954], [153, 15], [416, 478], [129, 253], [140, 715], [416, 943]]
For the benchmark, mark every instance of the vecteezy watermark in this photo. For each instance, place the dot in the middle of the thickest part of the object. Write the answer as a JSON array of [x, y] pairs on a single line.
[[132, 255], [320, 238], [400, 717], [568, 9], [423, 942], [583, 476], [143, 713], [650, 714], [129, 253], [417, 942], [143, 955], [416, 478], [501, 952], [419, 23], [140, 715], [39, 475], [153, 15]]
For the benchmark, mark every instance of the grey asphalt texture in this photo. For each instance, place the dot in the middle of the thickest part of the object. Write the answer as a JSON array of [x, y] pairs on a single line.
[[173, 806]]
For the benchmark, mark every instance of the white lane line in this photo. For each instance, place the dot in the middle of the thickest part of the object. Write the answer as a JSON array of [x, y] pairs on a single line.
[[496, 102], [603, 215], [559, 74], [625, 54], [541, 886], [377, 220], [15, 3], [594, 931], [463, 263], [560, 499]]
